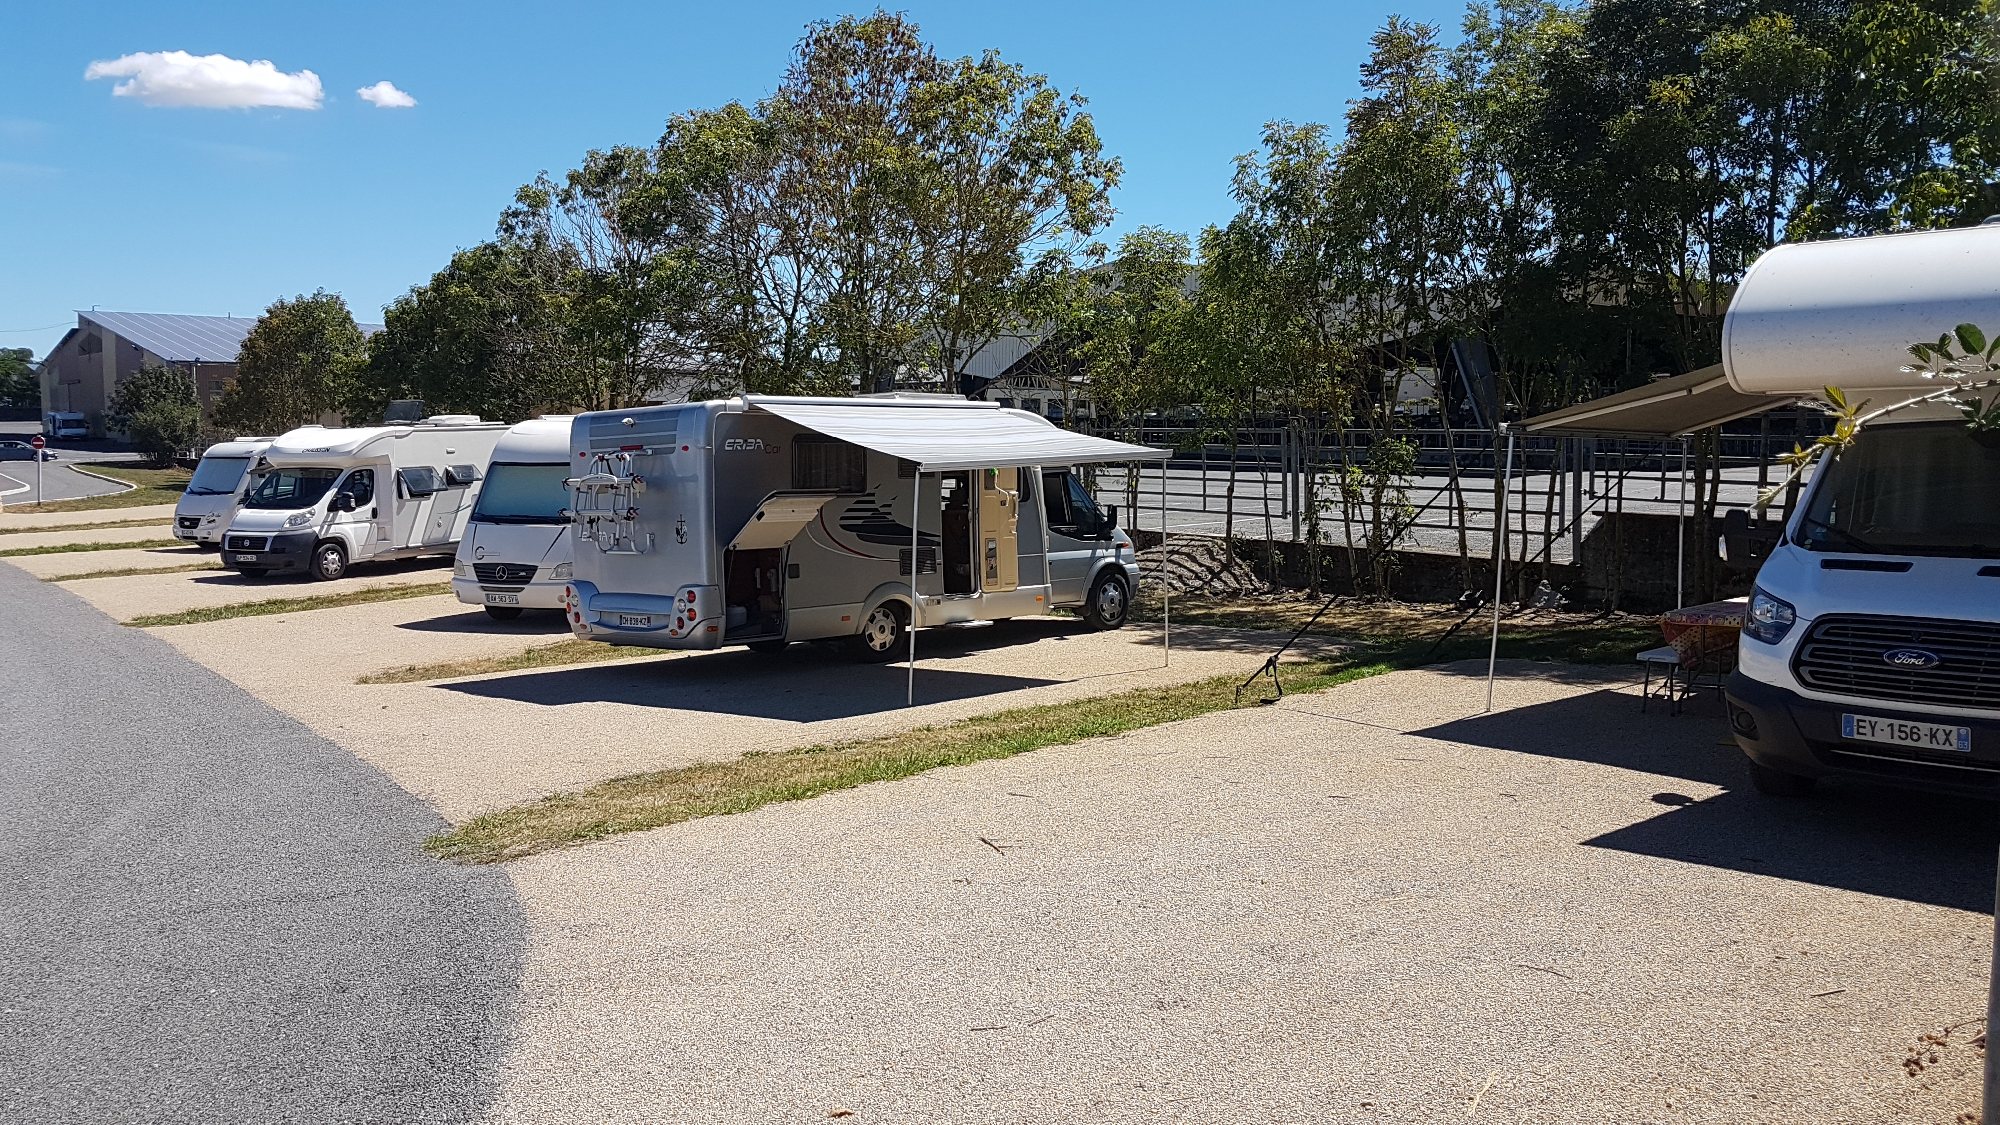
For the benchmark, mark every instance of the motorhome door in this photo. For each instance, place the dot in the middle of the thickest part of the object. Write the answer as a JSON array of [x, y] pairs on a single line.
[[370, 529], [999, 529]]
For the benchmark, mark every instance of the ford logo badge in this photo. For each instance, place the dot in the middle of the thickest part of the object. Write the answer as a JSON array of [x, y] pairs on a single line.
[[1915, 659]]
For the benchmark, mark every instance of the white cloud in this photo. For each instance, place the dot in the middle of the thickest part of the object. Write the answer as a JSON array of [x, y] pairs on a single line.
[[384, 95], [176, 78]]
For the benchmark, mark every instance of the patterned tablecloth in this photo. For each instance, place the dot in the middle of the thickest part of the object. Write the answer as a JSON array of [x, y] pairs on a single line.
[[1705, 634]]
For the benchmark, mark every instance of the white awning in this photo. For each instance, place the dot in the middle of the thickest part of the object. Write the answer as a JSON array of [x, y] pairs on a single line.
[[951, 435], [778, 519], [1674, 407]]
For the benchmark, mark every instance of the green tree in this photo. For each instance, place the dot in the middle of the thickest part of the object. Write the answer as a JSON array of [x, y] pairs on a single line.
[[157, 409], [300, 362], [18, 384]]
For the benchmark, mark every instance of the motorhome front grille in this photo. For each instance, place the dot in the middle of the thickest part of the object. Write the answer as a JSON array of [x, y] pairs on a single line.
[[504, 574], [247, 542], [189, 523], [1912, 659]]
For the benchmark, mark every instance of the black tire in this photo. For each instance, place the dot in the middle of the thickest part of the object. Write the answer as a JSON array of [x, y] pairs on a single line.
[[768, 647], [1110, 602], [1777, 783], [502, 612], [200, 546], [252, 571], [329, 561], [880, 638]]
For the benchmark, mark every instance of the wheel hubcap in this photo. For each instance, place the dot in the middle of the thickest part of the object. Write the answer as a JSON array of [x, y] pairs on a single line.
[[329, 563], [1111, 602], [881, 630]]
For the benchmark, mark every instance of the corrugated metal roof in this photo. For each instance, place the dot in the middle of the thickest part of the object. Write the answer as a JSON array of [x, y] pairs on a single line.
[[181, 337]]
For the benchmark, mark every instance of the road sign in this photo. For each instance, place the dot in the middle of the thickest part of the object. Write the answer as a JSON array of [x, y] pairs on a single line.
[[42, 497], [38, 442]]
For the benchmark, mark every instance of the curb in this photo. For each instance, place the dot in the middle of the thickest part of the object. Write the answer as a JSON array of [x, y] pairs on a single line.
[[123, 485]]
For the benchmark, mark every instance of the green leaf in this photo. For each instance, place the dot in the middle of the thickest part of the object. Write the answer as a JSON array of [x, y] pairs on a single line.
[[1971, 338], [1837, 397]]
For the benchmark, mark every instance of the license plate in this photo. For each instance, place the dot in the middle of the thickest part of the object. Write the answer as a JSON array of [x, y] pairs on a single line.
[[635, 620], [503, 599], [1897, 732], [246, 558]]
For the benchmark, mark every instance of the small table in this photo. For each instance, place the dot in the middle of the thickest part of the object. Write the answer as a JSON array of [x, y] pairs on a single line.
[[1703, 638]]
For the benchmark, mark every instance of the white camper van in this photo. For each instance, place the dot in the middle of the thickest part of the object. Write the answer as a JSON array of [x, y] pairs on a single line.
[[516, 550], [323, 499], [65, 425], [1872, 646], [765, 520], [211, 498]]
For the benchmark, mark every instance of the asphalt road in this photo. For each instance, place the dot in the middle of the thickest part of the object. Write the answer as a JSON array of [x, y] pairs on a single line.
[[213, 914], [59, 481]]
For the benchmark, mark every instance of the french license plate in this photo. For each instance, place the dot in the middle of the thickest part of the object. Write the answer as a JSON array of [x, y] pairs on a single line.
[[1897, 732], [635, 620], [246, 558], [503, 599]]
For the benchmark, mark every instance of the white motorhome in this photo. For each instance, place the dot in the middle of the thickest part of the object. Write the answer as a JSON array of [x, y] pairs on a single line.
[[215, 491], [65, 425], [766, 520], [1872, 646], [516, 550], [322, 499]]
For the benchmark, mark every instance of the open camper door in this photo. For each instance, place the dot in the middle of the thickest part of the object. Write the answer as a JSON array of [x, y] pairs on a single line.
[[999, 529], [778, 519]]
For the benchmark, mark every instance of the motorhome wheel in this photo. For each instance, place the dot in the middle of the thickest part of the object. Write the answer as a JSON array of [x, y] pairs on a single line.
[[881, 636], [1110, 601], [329, 561], [502, 612], [1777, 783]]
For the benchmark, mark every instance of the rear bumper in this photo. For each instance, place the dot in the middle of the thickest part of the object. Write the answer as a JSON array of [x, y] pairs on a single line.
[[534, 595], [1788, 732], [283, 550], [651, 620]]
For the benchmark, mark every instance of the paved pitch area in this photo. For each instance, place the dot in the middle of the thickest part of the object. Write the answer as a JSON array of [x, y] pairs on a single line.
[[212, 914], [1370, 904], [141, 594]]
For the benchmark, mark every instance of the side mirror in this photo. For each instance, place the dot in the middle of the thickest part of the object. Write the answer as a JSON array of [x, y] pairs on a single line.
[[1110, 518], [342, 503]]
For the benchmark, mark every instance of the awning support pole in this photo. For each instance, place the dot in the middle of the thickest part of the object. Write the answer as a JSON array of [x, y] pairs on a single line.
[[916, 497], [1499, 565], [1680, 532], [1166, 587]]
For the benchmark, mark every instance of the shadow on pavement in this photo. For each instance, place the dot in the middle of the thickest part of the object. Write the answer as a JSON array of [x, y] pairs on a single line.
[[357, 576], [1916, 847], [472, 619]]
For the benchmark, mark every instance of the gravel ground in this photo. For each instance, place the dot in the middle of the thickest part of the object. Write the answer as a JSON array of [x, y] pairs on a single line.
[[125, 598], [469, 746], [212, 914], [11, 517], [83, 562], [1370, 904]]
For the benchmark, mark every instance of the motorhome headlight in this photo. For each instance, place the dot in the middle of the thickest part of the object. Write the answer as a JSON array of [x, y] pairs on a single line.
[[1769, 618], [461, 569], [298, 519], [561, 572]]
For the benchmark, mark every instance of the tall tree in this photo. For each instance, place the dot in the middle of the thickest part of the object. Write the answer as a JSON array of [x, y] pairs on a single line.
[[298, 364], [18, 385], [157, 408]]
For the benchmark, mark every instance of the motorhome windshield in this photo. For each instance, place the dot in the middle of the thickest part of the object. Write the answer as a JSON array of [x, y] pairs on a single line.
[[1919, 488], [290, 488], [217, 476], [523, 492]]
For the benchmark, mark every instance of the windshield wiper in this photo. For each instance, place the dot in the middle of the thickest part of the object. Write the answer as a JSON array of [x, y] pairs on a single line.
[[1852, 541]]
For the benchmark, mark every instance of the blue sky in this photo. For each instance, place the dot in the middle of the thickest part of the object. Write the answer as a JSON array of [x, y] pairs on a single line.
[[108, 201]]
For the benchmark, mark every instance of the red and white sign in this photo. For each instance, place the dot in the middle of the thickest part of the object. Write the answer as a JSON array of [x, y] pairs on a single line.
[[38, 442]]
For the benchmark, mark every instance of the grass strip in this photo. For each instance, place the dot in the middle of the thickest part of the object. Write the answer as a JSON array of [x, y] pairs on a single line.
[[131, 571], [541, 656], [97, 525], [364, 596], [74, 548], [150, 486], [654, 800]]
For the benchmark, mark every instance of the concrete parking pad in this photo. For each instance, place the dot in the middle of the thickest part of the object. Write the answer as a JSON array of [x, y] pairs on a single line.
[[140, 594], [84, 562], [66, 538], [1369, 904], [13, 517], [473, 745]]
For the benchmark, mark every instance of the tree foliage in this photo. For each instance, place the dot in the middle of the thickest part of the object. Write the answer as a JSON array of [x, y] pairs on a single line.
[[156, 407], [300, 362], [18, 384]]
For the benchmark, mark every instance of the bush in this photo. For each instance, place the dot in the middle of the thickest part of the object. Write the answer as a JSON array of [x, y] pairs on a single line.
[[157, 409]]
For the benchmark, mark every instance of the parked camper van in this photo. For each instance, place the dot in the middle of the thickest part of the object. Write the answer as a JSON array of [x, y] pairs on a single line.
[[65, 425], [516, 550], [211, 498], [1872, 646], [323, 499], [765, 520]]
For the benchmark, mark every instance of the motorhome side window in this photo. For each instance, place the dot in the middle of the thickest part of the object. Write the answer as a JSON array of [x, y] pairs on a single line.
[[360, 486], [823, 464], [1068, 506], [419, 480]]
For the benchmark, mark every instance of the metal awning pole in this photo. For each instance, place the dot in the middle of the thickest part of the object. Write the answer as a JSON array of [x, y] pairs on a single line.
[[916, 497], [1166, 587], [1680, 532], [1499, 565]]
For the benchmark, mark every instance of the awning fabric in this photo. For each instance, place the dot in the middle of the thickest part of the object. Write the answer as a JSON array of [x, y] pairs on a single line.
[[1671, 407], [951, 435], [778, 519]]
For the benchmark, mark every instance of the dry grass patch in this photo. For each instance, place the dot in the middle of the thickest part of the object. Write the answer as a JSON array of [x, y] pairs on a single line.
[[73, 548], [133, 571], [541, 656], [98, 525], [367, 595], [653, 800], [149, 486]]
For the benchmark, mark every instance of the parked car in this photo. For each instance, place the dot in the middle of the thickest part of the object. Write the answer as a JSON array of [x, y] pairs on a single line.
[[22, 451]]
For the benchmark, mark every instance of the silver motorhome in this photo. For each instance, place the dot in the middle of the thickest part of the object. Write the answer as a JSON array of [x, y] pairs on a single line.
[[765, 520]]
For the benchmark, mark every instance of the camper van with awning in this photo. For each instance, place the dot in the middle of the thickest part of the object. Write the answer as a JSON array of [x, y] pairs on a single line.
[[766, 520]]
